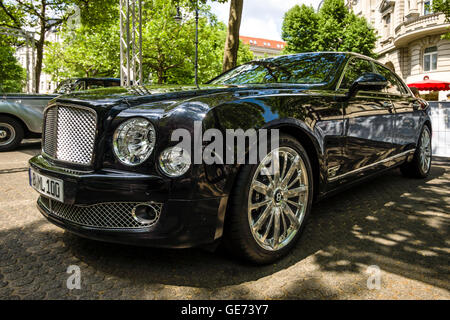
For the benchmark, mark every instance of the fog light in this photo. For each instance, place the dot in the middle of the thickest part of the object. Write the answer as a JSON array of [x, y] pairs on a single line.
[[145, 214], [175, 161]]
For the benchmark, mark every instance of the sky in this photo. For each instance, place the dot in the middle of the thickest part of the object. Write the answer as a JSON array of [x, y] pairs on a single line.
[[261, 18]]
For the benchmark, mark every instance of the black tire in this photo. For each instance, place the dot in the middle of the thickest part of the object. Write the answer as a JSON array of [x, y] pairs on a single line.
[[414, 169], [14, 133], [238, 238]]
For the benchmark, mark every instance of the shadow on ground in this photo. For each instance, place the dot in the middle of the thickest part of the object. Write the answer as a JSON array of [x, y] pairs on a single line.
[[398, 224], [31, 147]]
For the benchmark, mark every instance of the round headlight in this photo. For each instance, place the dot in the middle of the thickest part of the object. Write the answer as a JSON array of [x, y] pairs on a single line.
[[134, 141], [175, 161]]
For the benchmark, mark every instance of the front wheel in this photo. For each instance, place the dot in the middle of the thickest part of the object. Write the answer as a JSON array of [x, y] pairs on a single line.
[[420, 166], [11, 133], [268, 207]]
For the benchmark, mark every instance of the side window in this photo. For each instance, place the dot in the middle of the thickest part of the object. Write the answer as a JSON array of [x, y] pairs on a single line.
[[394, 85], [112, 84], [94, 84], [355, 69]]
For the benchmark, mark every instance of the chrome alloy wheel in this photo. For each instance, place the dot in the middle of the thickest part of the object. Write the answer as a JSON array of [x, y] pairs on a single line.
[[277, 202], [7, 134], [425, 150]]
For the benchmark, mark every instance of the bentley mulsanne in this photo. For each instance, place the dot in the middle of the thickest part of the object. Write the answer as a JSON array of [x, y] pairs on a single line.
[[110, 169]]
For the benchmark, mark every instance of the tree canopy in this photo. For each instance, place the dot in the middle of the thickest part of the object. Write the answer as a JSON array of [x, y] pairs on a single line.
[[333, 28], [92, 49], [444, 7], [12, 75], [40, 16]]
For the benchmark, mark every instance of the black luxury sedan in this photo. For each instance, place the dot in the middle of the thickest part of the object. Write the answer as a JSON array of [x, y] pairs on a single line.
[[111, 170]]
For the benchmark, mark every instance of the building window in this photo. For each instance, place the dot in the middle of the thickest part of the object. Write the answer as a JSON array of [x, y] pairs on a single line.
[[427, 7], [430, 59], [387, 25]]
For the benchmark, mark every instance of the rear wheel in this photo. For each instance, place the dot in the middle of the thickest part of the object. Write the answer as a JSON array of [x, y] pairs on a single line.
[[11, 133], [269, 208], [420, 166]]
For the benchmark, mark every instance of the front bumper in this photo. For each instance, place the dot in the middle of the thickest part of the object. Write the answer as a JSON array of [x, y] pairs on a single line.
[[181, 223]]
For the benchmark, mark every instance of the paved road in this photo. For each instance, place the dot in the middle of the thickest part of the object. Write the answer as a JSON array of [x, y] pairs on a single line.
[[400, 225]]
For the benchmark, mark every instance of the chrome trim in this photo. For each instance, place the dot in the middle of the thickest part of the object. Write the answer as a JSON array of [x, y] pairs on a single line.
[[152, 205], [406, 153]]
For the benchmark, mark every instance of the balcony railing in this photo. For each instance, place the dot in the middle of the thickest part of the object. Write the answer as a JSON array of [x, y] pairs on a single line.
[[420, 21]]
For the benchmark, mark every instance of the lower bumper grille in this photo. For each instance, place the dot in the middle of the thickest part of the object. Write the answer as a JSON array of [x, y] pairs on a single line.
[[116, 215]]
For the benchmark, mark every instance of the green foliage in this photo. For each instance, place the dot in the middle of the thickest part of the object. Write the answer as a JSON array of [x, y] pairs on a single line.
[[84, 52], [444, 7], [300, 29], [333, 28], [97, 12], [168, 47], [12, 75]]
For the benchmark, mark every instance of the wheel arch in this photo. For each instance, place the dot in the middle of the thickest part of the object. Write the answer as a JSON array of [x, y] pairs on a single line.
[[429, 125], [311, 145]]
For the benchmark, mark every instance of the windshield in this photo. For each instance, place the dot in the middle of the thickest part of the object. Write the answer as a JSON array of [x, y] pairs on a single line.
[[308, 68], [65, 86]]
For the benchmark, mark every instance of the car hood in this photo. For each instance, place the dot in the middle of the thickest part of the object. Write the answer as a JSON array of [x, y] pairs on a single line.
[[134, 96], [108, 97]]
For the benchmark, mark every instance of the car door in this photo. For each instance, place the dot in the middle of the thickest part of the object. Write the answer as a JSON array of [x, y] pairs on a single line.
[[407, 109], [369, 119]]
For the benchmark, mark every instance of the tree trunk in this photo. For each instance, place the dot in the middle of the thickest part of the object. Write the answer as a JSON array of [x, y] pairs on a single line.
[[232, 42], [39, 56], [40, 48]]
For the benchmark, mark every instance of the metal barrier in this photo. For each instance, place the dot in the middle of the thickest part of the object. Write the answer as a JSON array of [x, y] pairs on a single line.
[[440, 118]]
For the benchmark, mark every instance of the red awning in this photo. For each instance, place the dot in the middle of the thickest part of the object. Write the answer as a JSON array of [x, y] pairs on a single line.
[[431, 85]]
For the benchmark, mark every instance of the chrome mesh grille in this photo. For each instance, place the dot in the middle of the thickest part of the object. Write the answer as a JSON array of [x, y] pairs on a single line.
[[69, 134], [116, 215], [50, 132]]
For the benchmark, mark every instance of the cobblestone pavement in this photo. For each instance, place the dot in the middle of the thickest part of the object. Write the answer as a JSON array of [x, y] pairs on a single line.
[[400, 225]]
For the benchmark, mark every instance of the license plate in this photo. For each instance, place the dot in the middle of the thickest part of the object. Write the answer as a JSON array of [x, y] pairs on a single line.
[[49, 187]]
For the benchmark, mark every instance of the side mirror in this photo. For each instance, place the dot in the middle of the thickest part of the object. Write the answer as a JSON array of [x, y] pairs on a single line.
[[368, 82]]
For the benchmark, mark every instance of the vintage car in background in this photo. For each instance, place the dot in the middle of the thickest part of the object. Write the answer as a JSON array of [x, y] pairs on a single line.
[[82, 84], [21, 118], [21, 115], [110, 171]]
